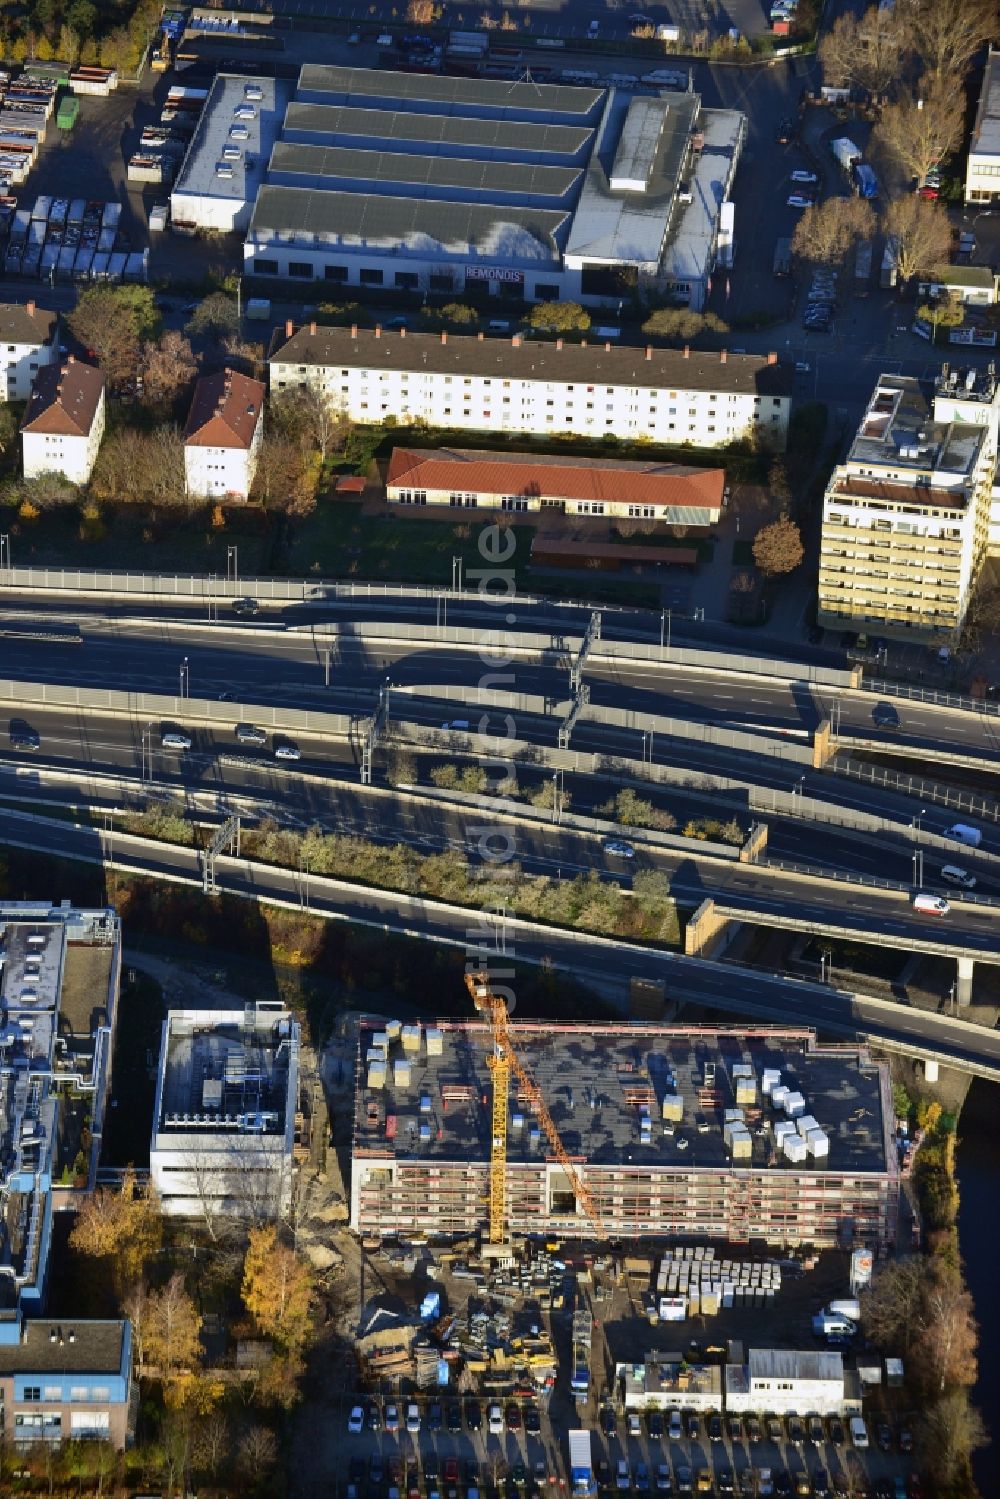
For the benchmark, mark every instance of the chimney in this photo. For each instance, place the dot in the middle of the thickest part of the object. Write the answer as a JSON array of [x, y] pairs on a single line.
[[30, 307], [289, 328], [559, 343], [583, 343], [607, 348], [444, 336], [354, 330], [402, 332], [772, 357], [687, 351], [723, 357], [312, 329], [515, 342], [378, 330], [71, 359], [649, 351], [480, 335]]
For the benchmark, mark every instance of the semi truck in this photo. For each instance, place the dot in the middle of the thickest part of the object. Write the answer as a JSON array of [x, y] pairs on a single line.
[[581, 1465]]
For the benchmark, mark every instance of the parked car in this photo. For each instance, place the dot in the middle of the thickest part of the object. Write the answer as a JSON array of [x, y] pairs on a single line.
[[473, 1415], [532, 1420], [496, 1420], [801, 175], [392, 1417], [785, 132], [623, 1477], [435, 1416], [641, 1478], [356, 1420], [775, 1430], [836, 1431], [634, 1424], [694, 1427], [609, 1423], [801, 199], [735, 1429], [655, 1424], [413, 1418], [453, 1416], [883, 1432], [727, 1483], [674, 1428], [753, 1429], [513, 1415], [796, 1431], [664, 1484], [816, 1433]]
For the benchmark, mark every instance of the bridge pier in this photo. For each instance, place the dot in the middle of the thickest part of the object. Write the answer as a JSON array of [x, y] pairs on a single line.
[[963, 985], [930, 1070]]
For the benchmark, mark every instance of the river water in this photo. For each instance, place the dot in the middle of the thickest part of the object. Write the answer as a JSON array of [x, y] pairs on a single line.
[[978, 1164]]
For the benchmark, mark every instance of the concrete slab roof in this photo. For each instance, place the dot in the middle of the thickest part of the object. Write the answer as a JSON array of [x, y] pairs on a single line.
[[593, 1080]]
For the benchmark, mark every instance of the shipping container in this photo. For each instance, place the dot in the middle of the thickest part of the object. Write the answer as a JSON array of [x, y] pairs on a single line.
[[67, 113]]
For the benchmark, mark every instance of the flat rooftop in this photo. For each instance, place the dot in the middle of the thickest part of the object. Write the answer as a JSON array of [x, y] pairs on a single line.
[[237, 128], [369, 87], [899, 430], [595, 1081], [986, 131], [419, 225], [225, 1069], [506, 139], [294, 164]]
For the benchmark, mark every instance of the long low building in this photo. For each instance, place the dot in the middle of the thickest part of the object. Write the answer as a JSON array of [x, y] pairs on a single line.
[[522, 385], [467, 479], [646, 1114]]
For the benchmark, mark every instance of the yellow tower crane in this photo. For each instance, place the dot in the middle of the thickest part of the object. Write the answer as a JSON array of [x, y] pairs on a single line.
[[502, 1061]]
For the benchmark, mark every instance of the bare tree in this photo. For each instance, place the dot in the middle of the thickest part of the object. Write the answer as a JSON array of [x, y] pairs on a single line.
[[868, 54], [950, 1431], [324, 424], [948, 1339], [920, 131], [921, 233], [826, 232], [169, 369], [947, 34]]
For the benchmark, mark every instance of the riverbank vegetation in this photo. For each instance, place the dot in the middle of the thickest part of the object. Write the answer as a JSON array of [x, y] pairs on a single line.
[[919, 1309]]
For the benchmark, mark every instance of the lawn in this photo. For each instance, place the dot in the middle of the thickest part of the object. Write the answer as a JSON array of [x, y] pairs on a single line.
[[338, 540]]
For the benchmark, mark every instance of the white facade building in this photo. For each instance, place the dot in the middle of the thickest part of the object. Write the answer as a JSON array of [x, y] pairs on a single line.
[[785, 1382], [29, 339], [982, 173], [224, 164], [223, 434], [482, 187], [520, 385], [64, 423], [224, 1118]]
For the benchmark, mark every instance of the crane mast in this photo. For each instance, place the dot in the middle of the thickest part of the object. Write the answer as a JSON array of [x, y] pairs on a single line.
[[502, 1061]]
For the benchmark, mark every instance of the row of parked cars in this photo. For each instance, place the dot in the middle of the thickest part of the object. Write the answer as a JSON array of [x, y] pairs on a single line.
[[678, 1425], [452, 1415]]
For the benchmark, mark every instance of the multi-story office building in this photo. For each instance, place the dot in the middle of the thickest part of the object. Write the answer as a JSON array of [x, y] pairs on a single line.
[[66, 1380], [224, 1117], [59, 973], [906, 518], [518, 385], [982, 172], [648, 1115]]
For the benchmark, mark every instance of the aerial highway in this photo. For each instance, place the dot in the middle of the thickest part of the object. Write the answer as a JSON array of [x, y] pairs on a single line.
[[606, 964]]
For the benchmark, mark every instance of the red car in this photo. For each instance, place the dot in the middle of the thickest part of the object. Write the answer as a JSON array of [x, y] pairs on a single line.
[[513, 1418]]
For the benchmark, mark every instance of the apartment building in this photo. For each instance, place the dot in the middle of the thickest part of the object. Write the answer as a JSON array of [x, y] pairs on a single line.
[[224, 1117], [29, 339], [66, 1380], [523, 385], [982, 172], [906, 519], [646, 1114], [59, 976], [469, 479], [222, 436], [64, 423]]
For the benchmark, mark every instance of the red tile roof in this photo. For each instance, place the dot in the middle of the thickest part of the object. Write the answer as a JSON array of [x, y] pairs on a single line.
[[64, 399], [225, 410], [556, 477]]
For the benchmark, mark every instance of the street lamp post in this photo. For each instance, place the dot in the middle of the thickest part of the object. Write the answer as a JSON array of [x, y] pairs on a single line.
[[232, 564], [456, 575], [185, 678], [5, 551], [918, 853], [146, 752], [666, 621]]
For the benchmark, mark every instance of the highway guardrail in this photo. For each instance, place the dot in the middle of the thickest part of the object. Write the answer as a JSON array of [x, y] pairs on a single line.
[[932, 697], [931, 791]]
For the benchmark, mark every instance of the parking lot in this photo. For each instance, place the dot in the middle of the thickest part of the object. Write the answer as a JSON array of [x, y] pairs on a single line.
[[425, 1446]]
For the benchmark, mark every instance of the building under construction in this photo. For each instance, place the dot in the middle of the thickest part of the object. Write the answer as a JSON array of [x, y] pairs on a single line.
[[676, 1131]]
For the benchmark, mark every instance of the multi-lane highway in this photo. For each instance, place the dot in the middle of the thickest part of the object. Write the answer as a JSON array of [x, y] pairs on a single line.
[[750, 720]]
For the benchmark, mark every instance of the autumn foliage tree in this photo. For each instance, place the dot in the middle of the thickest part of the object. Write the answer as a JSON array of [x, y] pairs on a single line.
[[277, 1289], [777, 548], [682, 322], [559, 317], [171, 1334], [827, 231], [169, 370], [115, 322], [123, 1228]]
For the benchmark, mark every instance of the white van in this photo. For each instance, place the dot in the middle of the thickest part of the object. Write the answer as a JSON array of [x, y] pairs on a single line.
[[953, 874], [931, 905], [174, 740], [859, 1432], [965, 833]]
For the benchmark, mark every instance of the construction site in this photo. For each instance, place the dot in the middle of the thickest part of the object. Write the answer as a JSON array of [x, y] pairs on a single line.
[[620, 1132]]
